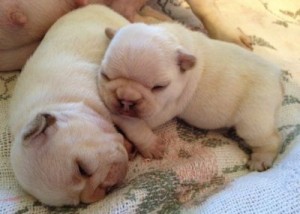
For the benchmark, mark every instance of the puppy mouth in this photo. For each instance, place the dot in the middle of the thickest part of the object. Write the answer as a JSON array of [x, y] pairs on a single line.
[[126, 110], [100, 193], [132, 113], [128, 113], [112, 181], [111, 188], [107, 189], [115, 177]]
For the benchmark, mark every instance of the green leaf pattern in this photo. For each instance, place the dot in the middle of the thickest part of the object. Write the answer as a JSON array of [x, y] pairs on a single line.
[[261, 42], [171, 185]]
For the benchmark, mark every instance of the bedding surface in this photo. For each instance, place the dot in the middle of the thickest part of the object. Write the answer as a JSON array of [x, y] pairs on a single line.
[[202, 171]]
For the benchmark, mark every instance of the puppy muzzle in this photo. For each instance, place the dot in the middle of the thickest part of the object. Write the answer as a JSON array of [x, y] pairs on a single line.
[[114, 177], [127, 108]]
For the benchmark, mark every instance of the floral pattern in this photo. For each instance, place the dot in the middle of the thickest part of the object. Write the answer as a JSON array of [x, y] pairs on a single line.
[[198, 163]]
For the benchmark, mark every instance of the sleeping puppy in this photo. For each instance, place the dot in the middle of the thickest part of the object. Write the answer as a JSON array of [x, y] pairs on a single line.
[[156, 72], [66, 149]]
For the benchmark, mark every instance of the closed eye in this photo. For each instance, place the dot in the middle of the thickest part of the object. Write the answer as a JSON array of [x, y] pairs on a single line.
[[82, 170], [105, 76], [158, 88]]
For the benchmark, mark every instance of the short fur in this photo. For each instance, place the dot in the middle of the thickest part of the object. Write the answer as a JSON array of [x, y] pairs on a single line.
[[65, 148], [157, 72]]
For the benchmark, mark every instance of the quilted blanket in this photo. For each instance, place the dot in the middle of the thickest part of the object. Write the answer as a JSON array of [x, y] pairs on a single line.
[[203, 171]]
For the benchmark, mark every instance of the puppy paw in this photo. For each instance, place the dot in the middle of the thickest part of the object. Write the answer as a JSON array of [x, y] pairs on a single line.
[[232, 35], [131, 149], [261, 161], [154, 149], [244, 40]]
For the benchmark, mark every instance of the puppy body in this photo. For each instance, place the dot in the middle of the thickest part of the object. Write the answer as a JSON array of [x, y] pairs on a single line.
[[65, 147], [171, 71]]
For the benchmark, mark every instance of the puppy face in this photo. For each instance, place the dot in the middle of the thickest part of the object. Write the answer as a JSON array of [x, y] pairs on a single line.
[[67, 158], [143, 71]]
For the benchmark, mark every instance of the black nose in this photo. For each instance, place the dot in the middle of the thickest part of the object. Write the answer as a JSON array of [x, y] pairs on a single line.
[[126, 105]]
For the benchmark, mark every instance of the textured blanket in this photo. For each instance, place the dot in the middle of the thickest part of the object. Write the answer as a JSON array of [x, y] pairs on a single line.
[[202, 171]]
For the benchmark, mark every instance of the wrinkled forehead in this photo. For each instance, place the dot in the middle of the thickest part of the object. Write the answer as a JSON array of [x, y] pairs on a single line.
[[140, 57], [51, 180]]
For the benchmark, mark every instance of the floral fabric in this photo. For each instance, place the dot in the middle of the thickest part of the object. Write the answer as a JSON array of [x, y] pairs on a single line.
[[199, 164]]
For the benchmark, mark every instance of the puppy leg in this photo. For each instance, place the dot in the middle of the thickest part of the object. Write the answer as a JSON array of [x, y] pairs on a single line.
[[263, 156], [131, 150], [14, 59], [138, 132], [207, 12], [262, 137]]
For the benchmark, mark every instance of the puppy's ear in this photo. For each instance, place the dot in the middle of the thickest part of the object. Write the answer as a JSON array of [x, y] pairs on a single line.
[[37, 126], [185, 60], [110, 33]]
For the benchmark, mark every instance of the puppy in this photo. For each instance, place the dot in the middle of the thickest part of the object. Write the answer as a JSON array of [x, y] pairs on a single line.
[[156, 72], [65, 148]]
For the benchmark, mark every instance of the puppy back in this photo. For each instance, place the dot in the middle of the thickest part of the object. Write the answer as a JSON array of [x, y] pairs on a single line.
[[64, 66]]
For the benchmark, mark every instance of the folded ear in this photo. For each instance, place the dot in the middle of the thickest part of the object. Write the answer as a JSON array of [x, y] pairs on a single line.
[[185, 60], [110, 33], [37, 126]]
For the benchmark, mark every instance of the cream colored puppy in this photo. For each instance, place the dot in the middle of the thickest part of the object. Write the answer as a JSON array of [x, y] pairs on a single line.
[[66, 149], [157, 72]]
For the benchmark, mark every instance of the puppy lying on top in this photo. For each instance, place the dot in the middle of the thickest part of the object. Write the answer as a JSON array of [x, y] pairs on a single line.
[[66, 149], [152, 73]]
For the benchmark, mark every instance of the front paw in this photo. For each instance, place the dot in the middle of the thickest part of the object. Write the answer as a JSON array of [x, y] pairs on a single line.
[[261, 161], [243, 40], [233, 35], [154, 149], [130, 148]]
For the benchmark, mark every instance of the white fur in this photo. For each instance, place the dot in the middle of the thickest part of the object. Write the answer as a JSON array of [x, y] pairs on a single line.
[[57, 118], [209, 84]]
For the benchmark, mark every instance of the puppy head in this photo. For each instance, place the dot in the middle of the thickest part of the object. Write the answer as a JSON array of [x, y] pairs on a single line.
[[67, 157], [143, 71]]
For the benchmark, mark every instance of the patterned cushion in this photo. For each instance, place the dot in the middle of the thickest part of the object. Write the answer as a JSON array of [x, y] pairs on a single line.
[[198, 163]]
